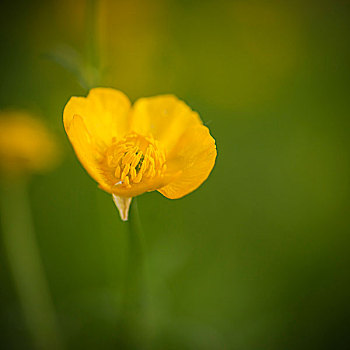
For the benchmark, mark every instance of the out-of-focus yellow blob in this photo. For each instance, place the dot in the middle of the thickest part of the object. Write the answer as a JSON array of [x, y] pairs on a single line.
[[158, 144], [26, 145]]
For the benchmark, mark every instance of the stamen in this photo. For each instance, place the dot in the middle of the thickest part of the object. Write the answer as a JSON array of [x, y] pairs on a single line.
[[134, 159], [133, 173], [128, 157], [138, 178], [117, 172], [125, 171], [126, 181]]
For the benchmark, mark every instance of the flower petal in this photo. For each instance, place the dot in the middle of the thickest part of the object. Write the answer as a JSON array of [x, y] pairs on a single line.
[[165, 117], [142, 187], [86, 150], [195, 155], [104, 112]]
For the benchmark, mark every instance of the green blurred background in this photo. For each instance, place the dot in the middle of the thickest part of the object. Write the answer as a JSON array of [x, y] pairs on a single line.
[[256, 258]]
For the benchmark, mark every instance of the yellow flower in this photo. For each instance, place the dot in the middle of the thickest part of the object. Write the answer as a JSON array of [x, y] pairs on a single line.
[[26, 146], [159, 143]]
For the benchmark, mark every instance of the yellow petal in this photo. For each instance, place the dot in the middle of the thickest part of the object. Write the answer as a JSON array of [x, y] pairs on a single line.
[[194, 155], [164, 117], [142, 187], [86, 150], [104, 112]]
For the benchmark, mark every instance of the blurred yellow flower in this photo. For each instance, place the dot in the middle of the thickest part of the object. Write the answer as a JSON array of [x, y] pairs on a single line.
[[159, 143], [26, 146]]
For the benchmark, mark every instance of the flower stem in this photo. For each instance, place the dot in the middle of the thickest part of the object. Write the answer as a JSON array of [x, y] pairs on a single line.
[[135, 260], [27, 270], [135, 294]]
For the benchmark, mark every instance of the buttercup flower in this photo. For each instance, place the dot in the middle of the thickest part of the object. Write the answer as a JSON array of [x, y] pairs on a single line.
[[159, 143], [26, 146]]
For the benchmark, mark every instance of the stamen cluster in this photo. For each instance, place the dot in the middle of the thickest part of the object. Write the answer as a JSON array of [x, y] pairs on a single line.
[[135, 158]]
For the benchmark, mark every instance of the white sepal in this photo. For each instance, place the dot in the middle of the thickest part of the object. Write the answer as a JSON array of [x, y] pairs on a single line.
[[123, 205]]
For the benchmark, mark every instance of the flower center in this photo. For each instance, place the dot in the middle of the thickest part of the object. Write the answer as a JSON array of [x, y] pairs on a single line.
[[135, 158]]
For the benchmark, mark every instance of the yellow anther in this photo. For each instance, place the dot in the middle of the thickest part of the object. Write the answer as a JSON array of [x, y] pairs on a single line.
[[138, 178], [157, 158], [144, 165], [151, 161], [117, 172], [148, 152], [136, 160], [126, 181], [127, 158], [133, 173], [151, 149], [125, 172]]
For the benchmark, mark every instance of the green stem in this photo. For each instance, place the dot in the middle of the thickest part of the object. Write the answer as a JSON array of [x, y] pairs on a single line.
[[135, 263], [27, 270], [135, 298]]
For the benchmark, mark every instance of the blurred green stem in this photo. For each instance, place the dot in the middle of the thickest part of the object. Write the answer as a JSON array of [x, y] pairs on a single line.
[[135, 291], [135, 262], [27, 270]]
